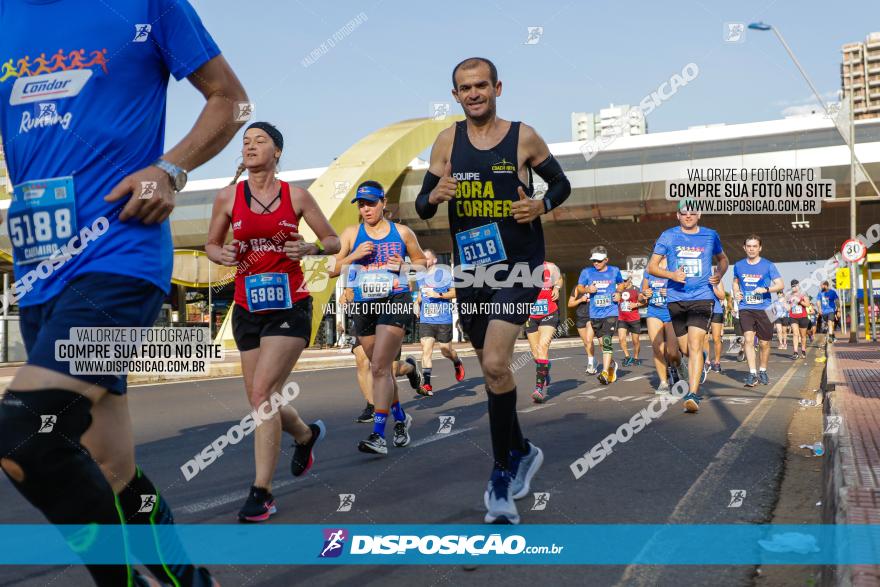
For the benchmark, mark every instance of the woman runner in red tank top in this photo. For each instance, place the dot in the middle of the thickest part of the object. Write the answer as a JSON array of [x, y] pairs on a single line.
[[542, 324], [272, 311]]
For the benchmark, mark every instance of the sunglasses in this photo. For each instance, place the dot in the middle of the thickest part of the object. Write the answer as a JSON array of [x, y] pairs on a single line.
[[368, 203], [598, 260]]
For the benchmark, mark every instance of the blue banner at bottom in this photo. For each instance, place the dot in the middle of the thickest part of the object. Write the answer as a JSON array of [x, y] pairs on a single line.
[[206, 544]]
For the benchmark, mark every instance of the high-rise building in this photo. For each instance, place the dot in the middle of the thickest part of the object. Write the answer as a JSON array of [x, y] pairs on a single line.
[[860, 73], [614, 121]]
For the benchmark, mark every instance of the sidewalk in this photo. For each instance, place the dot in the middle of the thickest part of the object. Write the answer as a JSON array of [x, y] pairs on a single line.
[[230, 365], [851, 475]]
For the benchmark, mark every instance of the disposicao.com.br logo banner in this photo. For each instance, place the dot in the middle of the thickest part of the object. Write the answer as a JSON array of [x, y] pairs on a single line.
[[381, 544]]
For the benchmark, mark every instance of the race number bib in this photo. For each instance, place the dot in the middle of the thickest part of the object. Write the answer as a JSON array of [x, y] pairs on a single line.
[[752, 298], [658, 300], [42, 218], [625, 306], [267, 291], [431, 310], [691, 267], [540, 308], [375, 285], [602, 301], [480, 246]]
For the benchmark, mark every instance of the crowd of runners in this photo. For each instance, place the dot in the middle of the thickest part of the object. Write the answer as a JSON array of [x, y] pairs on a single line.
[[481, 169]]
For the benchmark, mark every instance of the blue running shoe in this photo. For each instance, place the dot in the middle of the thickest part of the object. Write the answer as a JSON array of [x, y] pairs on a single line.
[[751, 380], [691, 403], [500, 507], [523, 467], [763, 378]]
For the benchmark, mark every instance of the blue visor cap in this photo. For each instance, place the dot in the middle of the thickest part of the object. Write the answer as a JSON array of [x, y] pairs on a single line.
[[369, 193]]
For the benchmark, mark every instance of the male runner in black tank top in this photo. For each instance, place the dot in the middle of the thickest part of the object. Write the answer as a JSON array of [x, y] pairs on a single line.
[[482, 168]]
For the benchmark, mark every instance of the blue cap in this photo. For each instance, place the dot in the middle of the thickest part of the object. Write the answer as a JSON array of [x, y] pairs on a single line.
[[369, 193]]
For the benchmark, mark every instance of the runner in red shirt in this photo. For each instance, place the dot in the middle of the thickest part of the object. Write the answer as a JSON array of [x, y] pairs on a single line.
[[272, 317], [542, 324], [629, 321], [799, 320]]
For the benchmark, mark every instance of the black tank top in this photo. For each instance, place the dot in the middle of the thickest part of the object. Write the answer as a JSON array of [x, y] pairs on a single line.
[[487, 186]]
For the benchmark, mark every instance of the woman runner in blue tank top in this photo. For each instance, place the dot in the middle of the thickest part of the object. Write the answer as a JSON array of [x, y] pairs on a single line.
[[372, 257], [663, 340]]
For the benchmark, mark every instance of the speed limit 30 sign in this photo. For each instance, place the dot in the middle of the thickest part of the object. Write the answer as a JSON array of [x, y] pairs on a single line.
[[853, 251]]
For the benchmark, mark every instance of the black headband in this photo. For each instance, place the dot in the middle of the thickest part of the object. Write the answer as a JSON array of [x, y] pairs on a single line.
[[270, 130]]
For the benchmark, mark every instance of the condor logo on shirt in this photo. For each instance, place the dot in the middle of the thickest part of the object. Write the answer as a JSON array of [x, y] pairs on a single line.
[[689, 252], [49, 86]]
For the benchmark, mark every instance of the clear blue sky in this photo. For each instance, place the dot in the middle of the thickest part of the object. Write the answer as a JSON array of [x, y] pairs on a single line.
[[398, 61]]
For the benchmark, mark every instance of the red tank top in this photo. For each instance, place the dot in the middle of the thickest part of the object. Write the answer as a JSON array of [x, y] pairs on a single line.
[[546, 294], [261, 238]]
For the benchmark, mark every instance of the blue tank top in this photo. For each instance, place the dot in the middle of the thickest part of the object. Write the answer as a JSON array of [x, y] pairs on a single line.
[[368, 277]]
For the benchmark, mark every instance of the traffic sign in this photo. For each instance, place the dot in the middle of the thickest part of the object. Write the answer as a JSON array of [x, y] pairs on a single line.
[[842, 279], [853, 251]]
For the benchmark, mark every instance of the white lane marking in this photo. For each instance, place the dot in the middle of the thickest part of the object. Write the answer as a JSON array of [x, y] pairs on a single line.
[[436, 437], [589, 391], [714, 472], [226, 499], [636, 378], [535, 408]]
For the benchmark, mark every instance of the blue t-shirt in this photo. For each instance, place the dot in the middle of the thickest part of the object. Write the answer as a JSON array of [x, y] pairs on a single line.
[[602, 304], [693, 253], [826, 301], [435, 310], [82, 91], [750, 277]]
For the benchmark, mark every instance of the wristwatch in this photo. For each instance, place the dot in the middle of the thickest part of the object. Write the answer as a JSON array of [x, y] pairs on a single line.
[[177, 174]]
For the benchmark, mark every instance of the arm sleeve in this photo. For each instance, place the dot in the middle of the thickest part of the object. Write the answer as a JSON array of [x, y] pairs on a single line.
[[558, 186], [424, 208], [183, 41]]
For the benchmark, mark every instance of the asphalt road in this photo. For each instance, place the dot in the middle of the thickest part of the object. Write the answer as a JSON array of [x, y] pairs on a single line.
[[679, 469]]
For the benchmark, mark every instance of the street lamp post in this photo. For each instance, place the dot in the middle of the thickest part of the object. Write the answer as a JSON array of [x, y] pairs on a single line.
[[851, 141]]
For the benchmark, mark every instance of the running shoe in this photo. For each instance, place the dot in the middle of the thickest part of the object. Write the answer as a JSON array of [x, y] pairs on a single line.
[[741, 356], [415, 376], [751, 380], [459, 371], [627, 361], [637, 362], [604, 378], [706, 368], [804, 354], [795, 356], [539, 396], [590, 370], [258, 506], [523, 467], [763, 378], [673, 375], [717, 367], [304, 454], [401, 431], [662, 389], [425, 390], [692, 403], [374, 444], [500, 507], [367, 415], [612, 373]]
